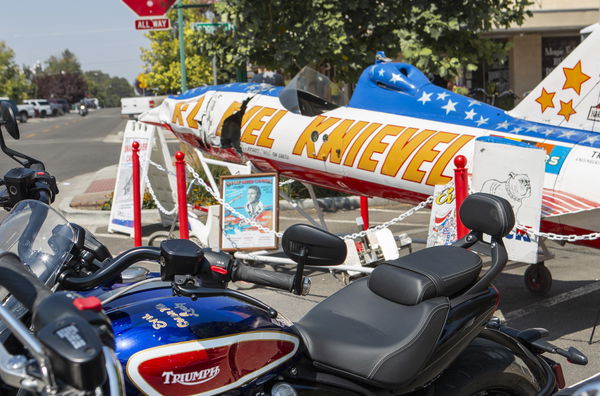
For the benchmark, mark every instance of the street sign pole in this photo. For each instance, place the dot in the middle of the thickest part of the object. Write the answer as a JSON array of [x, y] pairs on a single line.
[[181, 47]]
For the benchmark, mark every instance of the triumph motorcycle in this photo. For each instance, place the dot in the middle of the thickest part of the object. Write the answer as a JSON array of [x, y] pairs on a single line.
[[421, 325]]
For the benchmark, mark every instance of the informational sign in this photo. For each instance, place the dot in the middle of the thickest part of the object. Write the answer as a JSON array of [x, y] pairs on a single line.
[[153, 24], [152, 145], [442, 221], [514, 171], [555, 49], [256, 198], [211, 27]]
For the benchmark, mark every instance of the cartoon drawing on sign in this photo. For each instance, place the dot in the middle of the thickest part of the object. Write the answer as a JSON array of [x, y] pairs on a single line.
[[515, 189]]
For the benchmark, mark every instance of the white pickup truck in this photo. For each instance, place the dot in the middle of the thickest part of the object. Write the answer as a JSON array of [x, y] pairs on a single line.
[[22, 111], [41, 106], [132, 107]]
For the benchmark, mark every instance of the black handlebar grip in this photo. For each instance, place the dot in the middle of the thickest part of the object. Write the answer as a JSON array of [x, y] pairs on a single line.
[[21, 283], [261, 277]]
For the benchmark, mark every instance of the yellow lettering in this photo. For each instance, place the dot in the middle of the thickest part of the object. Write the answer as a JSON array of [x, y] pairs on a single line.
[[436, 176], [235, 106], [402, 148], [250, 113], [426, 153], [446, 197], [256, 124], [349, 161], [377, 146], [264, 140], [178, 113], [319, 124], [339, 139], [192, 123]]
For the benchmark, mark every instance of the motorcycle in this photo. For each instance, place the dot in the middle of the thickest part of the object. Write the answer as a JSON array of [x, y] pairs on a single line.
[[82, 110], [418, 325]]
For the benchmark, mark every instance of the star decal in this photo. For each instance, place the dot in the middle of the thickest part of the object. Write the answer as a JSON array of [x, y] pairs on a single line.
[[533, 128], [502, 125], [590, 139], [381, 72], [442, 96], [574, 78], [546, 99], [470, 114], [547, 132], [516, 130], [567, 134], [473, 102], [426, 97], [449, 106], [566, 109], [396, 77], [481, 121]]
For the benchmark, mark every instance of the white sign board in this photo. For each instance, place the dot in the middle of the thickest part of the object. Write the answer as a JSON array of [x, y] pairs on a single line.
[[442, 221], [514, 171]]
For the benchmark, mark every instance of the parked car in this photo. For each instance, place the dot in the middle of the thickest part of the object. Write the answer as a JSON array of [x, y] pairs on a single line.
[[22, 111], [41, 106], [60, 105], [132, 107]]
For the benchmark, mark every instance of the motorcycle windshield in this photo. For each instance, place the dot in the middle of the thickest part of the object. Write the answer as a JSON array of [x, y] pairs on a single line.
[[42, 238]]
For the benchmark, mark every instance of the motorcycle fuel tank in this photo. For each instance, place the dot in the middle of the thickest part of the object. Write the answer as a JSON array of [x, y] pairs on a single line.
[[175, 346]]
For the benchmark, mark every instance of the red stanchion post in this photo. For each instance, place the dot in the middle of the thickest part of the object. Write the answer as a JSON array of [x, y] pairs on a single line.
[[137, 198], [364, 211], [461, 189], [182, 195]]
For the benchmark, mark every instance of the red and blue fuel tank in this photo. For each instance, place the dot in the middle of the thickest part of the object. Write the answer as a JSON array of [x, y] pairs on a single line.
[[171, 345]]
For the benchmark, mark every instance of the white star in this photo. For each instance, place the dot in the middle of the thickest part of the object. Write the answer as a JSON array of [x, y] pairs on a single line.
[[442, 96], [533, 128], [396, 77], [567, 134], [426, 97], [228, 85], [470, 114], [590, 139], [481, 121], [473, 102], [517, 130], [449, 106], [381, 72], [502, 125], [547, 132]]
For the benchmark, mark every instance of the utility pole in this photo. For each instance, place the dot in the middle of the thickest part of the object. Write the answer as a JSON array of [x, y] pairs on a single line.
[[181, 46]]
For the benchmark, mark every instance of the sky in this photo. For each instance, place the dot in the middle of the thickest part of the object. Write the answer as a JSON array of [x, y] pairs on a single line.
[[101, 33]]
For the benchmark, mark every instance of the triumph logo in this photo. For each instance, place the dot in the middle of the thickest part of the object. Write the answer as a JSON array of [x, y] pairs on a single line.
[[193, 378]]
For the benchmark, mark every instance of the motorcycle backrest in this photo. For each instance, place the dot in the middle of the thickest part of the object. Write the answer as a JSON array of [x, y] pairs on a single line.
[[318, 247], [488, 214]]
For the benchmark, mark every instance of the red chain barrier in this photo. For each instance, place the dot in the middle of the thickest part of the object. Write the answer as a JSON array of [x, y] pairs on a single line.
[[461, 187], [184, 232], [137, 198]]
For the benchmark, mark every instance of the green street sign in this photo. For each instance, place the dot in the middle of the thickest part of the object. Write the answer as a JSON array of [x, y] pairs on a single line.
[[211, 27]]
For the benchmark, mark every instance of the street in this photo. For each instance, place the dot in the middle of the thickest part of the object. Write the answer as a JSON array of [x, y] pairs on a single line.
[[72, 146]]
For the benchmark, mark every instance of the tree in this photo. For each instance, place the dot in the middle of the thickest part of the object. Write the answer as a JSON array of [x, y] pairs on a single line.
[[163, 71], [13, 83], [66, 63], [437, 36], [71, 86], [107, 89]]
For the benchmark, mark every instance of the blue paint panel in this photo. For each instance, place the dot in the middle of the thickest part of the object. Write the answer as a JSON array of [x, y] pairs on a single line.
[[500, 140], [556, 159]]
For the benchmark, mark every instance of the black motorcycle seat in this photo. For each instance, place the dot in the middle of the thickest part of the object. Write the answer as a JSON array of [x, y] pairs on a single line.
[[357, 334], [439, 271]]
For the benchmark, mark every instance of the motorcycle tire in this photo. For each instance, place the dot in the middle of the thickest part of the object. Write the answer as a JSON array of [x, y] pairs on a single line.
[[486, 368]]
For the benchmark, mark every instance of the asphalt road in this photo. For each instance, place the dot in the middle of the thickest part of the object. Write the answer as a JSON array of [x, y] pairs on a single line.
[[69, 145], [72, 145]]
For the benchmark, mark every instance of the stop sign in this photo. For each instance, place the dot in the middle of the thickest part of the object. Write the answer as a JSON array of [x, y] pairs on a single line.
[[149, 8]]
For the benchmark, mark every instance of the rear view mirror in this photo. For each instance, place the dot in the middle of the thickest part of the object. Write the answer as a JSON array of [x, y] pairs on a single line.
[[313, 246], [8, 120]]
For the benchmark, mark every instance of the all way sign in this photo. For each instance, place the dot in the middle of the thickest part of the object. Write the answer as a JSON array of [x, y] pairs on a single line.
[[152, 24]]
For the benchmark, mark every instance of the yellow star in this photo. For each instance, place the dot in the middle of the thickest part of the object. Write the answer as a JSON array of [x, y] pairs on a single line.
[[566, 109], [546, 99], [575, 78]]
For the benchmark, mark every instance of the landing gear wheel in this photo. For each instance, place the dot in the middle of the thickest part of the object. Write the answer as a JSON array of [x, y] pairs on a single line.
[[538, 279], [486, 368], [157, 237]]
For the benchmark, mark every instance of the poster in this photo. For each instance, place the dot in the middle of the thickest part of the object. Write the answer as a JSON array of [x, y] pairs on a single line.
[[442, 221], [514, 171], [256, 198]]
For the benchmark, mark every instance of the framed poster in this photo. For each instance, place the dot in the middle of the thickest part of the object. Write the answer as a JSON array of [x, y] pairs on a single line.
[[255, 197]]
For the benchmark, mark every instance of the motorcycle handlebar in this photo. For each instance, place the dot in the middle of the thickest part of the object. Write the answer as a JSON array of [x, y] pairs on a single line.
[[268, 278], [26, 288]]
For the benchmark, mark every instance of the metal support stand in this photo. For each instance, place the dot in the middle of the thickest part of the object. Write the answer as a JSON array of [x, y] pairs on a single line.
[[313, 196]]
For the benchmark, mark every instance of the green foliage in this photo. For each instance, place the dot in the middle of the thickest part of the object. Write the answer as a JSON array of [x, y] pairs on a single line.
[[437, 36], [66, 63], [13, 83], [109, 90]]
